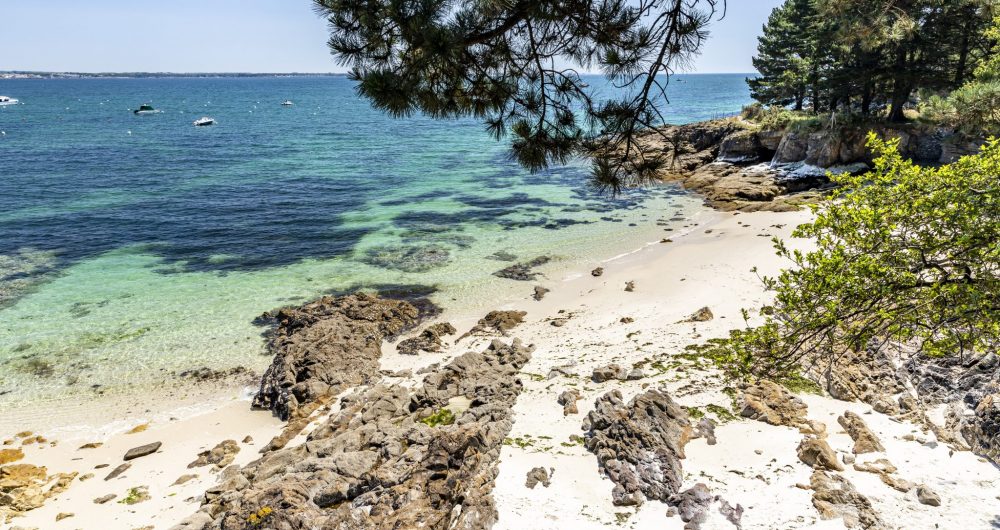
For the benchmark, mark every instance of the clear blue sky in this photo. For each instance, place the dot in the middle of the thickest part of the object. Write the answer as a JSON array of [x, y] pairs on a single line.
[[239, 36]]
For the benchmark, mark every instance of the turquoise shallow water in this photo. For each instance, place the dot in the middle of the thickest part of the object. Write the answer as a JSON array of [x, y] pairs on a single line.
[[135, 246]]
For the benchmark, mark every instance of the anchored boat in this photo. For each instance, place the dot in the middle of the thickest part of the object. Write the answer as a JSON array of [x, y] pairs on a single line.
[[204, 122], [145, 109], [4, 100]]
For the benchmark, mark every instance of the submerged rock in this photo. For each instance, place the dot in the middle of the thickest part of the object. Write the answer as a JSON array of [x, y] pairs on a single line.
[[523, 272], [408, 258], [377, 463], [639, 444], [326, 346]]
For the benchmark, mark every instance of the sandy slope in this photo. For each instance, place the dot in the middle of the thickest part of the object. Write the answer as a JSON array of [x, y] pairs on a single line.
[[753, 464]]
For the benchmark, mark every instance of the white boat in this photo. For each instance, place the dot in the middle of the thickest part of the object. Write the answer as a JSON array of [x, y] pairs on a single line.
[[4, 100], [204, 121], [287, 103]]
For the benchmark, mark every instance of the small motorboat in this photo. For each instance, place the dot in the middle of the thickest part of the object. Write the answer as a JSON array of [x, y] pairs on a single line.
[[145, 109], [287, 103], [4, 100], [204, 122]]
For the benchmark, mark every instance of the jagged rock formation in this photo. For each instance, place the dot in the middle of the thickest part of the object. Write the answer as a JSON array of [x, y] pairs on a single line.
[[639, 445], [865, 441], [496, 322], [219, 456], [736, 165], [429, 340], [388, 459], [836, 497], [769, 402], [25, 487], [324, 347]]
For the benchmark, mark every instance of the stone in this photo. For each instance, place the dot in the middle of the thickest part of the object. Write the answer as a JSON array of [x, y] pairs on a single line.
[[497, 322], [817, 454], [540, 292], [523, 272], [706, 429], [219, 456], [568, 400], [117, 472], [927, 496], [878, 466], [629, 286], [836, 497], [91, 445], [309, 367], [865, 441], [597, 272], [538, 475], [142, 450], [63, 515], [771, 403], [10, 455], [609, 372], [639, 444], [105, 499], [429, 340], [740, 148], [183, 479], [702, 315]]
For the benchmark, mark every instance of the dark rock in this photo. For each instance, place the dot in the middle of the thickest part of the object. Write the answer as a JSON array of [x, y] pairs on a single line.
[[597, 272], [865, 441], [629, 286], [106, 498], [219, 456], [639, 445], [375, 464], [206, 374], [497, 321], [523, 272], [740, 148], [117, 472], [609, 372], [836, 497], [568, 400], [769, 402], [538, 475], [818, 454], [429, 340], [540, 292], [142, 450], [693, 504], [706, 429], [326, 346], [702, 315], [927, 496]]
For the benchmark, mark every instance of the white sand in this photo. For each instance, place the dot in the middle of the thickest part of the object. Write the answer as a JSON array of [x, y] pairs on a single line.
[[672, 280]]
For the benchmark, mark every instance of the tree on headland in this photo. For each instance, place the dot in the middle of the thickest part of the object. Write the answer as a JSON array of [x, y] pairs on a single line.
[[514, 64], [864, 55]]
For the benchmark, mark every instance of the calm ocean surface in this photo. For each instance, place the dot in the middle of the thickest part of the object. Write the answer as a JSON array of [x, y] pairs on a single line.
[[134, 246]]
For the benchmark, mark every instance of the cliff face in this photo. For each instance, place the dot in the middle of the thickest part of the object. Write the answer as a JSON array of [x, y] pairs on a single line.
[[738, 166]]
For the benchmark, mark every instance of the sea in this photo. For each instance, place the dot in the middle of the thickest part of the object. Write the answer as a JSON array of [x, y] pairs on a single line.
[[133, 248]]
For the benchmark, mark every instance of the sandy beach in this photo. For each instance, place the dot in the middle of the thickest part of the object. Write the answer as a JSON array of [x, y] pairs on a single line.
[[582, 323]]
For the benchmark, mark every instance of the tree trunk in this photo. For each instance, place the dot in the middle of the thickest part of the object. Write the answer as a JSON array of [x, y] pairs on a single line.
[[963, 54], [900, 88], [866, 98]]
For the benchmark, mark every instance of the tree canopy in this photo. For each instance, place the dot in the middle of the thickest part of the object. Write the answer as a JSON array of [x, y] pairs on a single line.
[[865, 55], [515, 64]]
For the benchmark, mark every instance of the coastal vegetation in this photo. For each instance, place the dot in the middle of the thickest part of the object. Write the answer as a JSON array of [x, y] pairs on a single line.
[[870, 57], [904, 254]]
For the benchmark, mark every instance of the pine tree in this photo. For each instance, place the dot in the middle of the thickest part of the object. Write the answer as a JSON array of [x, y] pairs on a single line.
[[514, 64]]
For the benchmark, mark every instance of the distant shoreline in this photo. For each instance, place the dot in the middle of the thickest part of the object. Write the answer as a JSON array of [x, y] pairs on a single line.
[[26, 74], [18, 74]]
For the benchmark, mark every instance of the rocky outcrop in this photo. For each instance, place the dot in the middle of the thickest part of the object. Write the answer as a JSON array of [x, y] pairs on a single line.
[[429, 340], [496, 322], [835, 497], [865, 441], [769, 402], [738, 166], [693, 505], [25, 487], [639, 445], [816, 453], [324, 347], [219, 456], [390, 458]]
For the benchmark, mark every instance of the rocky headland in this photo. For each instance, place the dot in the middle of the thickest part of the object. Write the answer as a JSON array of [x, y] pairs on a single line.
[[738, 165]]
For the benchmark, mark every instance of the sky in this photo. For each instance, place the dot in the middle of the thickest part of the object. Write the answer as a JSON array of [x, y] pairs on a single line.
[[241, 36]]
